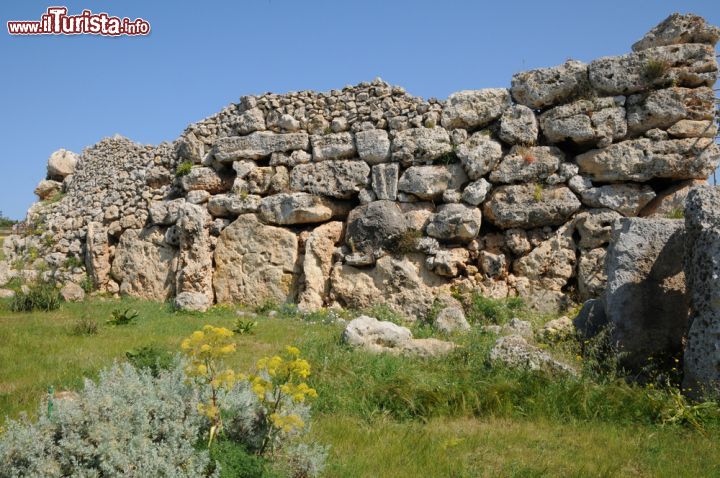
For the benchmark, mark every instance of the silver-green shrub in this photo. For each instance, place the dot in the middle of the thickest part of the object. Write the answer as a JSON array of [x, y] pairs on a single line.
[[128, 424]]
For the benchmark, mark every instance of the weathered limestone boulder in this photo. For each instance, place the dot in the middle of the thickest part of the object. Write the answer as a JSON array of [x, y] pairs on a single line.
[[593, 121], [448, 262], [476, 192], [333, 146], [7, 294], [643, 159], [520, 327], [425, 182], [558, 329], [251, 120], [528, 205], [518, 125], [451, 317], [420, 145], [403, 284], [373, 145], [97, 255], [207, 179], [479, 155], [627, 199], [255, 263], [645, 298], [702, 268], [693, 129], [670, 203], [192, 302], [195, 261], [690, 65], [258, 145], [227, 205], [592, 278], [663, 108], [340, 179], [474, 108], [455, 223], [300, 208], [165, 213], [525, 164], [263, 180], [62, 163], [515, 352], [290, 160], [47, 188], [595, 227], [591, 319], [190, 148], [385, 337], [317, 263], [550, 86], [551, 264], [385, 181], [677, 29], [374, 226], [145, 265], [72, 292]]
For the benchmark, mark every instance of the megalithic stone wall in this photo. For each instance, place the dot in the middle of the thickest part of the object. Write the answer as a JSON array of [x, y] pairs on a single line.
[[368, 194]]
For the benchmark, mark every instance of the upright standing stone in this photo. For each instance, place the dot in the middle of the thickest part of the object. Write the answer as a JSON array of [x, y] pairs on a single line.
[[702, 270]]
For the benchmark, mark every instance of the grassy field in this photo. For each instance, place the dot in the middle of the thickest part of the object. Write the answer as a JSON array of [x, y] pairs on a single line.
[[388, 416]]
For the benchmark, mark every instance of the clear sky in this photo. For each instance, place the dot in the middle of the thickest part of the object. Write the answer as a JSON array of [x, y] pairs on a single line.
[[69, 92]]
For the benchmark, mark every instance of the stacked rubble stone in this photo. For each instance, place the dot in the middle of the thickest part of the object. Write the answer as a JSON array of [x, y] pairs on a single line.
[[368, 194]]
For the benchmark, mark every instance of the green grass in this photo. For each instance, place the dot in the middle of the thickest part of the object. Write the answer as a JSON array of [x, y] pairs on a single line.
[[385, 415]]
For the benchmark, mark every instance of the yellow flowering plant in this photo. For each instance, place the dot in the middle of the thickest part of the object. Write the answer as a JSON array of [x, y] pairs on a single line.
[[206, 350], [278, 382]]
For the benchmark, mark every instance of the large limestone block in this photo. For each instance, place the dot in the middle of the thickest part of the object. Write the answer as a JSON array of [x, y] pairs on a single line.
[[195, 260], [255, 263], [226, 205], [47, 188], [702, 269], [689, 65], [385, 181], [300, 208], [592, 278], [425, 182], [317, 263], [374, 226], [420, 145], [550, 86], [145, 265], [373, 145], [525, 164], [258, 145], [62, 163], [528, 205], [333, 146], [339, 179], [479, 155], [97, 255], [595, 227], [598, 121], [663, 108], [644, 159], [404, 284], [677, 29], [645, 298], [551, 264], [455, 222], [474, 108], [207, 179], [627, 199], [518, 125]]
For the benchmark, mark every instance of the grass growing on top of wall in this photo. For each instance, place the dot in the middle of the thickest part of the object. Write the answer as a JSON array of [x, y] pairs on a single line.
[[393, 416]]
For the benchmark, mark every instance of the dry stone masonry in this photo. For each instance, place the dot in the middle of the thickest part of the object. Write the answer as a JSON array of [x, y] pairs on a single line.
[[368, 194]]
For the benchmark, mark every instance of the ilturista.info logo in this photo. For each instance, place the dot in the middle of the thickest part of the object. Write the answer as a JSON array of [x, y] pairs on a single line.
[[56, 21]]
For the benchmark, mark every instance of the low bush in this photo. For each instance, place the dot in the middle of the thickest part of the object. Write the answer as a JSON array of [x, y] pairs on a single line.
[[122, 317], [43, 296], [150, 357], [85, 326], [480, 309], [183, 169]]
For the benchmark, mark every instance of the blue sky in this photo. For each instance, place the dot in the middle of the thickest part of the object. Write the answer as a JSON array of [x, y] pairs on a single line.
[[69, 92]]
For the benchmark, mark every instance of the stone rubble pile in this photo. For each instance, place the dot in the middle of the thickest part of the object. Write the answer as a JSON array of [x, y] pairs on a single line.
[[368, 194]]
